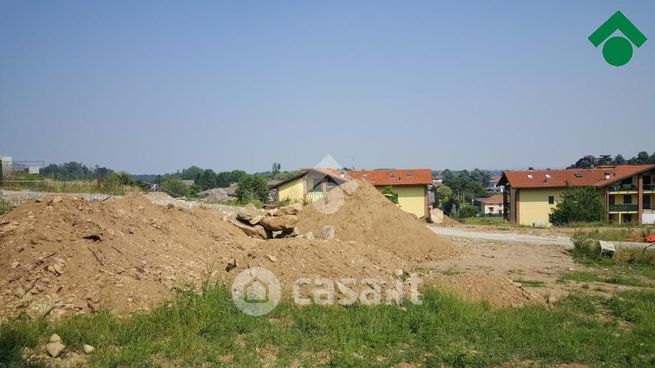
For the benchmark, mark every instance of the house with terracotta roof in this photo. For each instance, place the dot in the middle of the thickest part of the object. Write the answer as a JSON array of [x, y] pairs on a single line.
[[491, 206], [628, 192], [308, 185], [410, 184]]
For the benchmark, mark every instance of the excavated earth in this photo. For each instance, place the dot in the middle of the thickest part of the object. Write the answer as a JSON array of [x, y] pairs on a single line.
[[62, 255]]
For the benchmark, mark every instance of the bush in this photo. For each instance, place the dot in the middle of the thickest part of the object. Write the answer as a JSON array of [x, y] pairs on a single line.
[[118, 179], [252, 189], [583, 204], [391, 194], [174, 187], [467, 210]]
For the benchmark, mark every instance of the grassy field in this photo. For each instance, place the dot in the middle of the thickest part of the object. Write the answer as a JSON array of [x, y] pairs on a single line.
[[76, 186], [207, 330]]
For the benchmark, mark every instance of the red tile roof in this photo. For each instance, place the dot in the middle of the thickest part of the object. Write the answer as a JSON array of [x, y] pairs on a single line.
[[597, 177], [494, 199], [394, 177]]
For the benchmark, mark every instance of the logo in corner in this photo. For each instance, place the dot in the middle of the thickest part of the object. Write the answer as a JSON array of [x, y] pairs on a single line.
[[617, 50], [256, 291]]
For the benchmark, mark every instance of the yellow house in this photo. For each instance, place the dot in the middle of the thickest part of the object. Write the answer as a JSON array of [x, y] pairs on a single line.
[[628, 192], [410, 184], [308, 185]]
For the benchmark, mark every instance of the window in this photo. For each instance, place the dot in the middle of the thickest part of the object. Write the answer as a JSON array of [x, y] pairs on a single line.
[[317, 184], [551, 199], [646, 201], [612, 200], [491, 209], [647, 179], [627, 199]]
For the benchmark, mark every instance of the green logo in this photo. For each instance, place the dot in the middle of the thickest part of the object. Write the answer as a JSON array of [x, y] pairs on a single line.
[[617, 50]]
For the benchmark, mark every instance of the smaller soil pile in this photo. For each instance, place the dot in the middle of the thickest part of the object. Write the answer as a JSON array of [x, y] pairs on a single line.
[[497, 291], [358, 212]]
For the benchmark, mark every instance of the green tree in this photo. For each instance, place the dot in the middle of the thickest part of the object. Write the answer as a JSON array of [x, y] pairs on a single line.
[[443, 194], [619, 160], [225, 178], [252, 188], [467, 210], [641, 158], [580, 204], [206, 179], [391, 194], [465, 186], [190, 173], [586, 162], [174, 187]]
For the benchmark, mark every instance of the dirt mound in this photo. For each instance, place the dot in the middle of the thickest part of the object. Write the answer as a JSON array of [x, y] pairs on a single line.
[[62, 255], [360, 213], [65, 255], [497, 291]]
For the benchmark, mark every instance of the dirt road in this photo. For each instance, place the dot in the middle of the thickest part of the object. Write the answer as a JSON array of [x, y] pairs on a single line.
[[457, 232]]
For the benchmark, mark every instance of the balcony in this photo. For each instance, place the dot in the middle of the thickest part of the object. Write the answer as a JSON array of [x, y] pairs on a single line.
[[624, 208], [649, 187], [623, 188], [312, 197]]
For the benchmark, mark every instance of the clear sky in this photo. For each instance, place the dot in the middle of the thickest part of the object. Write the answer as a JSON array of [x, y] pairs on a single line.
[[155, 86]]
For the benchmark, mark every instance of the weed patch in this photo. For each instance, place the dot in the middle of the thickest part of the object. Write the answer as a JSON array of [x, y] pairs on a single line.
[[205, 328]]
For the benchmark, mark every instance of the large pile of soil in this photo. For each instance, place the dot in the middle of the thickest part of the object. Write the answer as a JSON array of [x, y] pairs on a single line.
[[366, 216], [62, 255]]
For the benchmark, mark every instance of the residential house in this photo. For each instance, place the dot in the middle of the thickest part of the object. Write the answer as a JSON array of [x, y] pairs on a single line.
[[628, 192], [220, 194], [410, 184], [308, 185], [491, 206], [492, 185]]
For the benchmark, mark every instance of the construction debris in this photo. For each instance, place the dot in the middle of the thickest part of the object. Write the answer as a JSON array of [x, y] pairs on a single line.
[[263, 224]]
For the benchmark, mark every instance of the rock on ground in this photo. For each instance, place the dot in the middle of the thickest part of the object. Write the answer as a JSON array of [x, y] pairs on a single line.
[[278, 223], [89, 349], [327, 232], [55, 348], [293, 209]]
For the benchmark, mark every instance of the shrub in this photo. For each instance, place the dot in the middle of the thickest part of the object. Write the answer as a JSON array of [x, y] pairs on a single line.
[[252, 189], [174, 187], [467, 210], [391, 194], [583, 204]]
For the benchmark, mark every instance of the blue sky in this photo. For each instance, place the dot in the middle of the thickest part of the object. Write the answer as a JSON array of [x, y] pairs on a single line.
[[154, 86]]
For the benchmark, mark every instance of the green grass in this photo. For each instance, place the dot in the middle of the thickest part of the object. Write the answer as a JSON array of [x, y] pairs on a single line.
[[74, 186], [619, 234], [483, 220], [206, 330], [5, 207], [606, 277]]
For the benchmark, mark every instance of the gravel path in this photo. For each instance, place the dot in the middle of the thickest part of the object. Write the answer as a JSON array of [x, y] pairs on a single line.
[[563, 241]]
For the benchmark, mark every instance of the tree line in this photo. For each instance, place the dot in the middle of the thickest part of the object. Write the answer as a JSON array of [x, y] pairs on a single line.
[[591, 161]]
